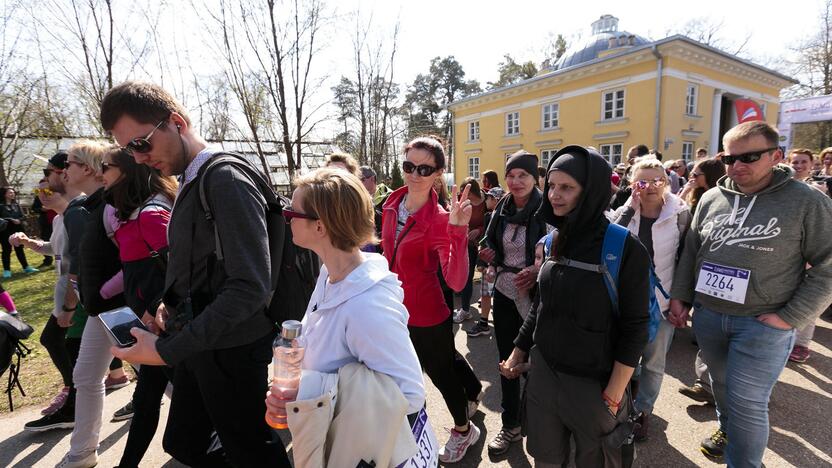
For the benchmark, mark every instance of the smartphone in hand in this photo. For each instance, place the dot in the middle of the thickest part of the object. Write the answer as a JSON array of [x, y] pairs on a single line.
[[118, 323]]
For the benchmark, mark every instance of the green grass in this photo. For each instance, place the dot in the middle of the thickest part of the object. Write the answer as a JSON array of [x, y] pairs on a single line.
[[32, 294]]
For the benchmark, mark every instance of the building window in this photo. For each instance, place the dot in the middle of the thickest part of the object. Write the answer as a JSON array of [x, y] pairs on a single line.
[[690, 99], [613, 104], [474, 167], [612, 152], [687, 150], [546, 156], [474, 131], [513, 123], [549, 115]]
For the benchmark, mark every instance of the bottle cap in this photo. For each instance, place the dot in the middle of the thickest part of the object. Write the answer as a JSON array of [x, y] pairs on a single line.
[[290, 329]]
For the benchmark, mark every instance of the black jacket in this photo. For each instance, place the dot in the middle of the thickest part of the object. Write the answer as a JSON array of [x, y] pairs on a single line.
[[228, 301], [573, 324], [97, 259]]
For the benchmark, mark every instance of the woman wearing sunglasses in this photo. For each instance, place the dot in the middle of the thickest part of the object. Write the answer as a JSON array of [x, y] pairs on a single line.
[[12, 215], [660, 220], [419, 237], [137, 215], [703, 177], [355, 313]]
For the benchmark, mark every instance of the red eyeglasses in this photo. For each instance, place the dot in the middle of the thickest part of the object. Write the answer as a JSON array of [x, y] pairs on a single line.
[[290, 214]]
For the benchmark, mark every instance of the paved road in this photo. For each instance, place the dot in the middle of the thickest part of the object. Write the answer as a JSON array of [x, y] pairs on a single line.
[[801, 411]]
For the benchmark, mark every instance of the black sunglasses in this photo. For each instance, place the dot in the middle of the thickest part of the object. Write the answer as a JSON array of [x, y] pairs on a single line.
[[422, 169], [142, 145], [105, 166], [290, 214], [746, 158], [48, 172]]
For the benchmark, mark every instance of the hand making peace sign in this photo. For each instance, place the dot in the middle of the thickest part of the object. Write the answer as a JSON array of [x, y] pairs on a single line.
[[460, 211]]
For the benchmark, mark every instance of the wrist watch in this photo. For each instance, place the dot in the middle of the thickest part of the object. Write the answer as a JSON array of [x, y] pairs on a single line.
[[67, 309]]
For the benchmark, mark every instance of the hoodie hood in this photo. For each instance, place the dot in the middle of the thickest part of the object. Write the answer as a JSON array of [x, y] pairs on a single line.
[[371, 272], [595, 194]]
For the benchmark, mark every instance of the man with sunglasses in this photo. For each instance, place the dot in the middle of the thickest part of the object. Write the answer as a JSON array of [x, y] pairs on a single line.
[[743, 270], [217, 334]]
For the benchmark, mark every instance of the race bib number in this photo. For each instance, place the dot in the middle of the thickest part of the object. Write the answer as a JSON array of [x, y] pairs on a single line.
[[428, 454], [727, 283]]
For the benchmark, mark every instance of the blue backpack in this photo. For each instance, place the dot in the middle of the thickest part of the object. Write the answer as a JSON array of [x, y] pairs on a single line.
[[611, 253]]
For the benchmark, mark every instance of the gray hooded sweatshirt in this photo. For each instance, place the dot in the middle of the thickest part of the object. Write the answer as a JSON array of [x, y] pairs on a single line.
[[777, 240]]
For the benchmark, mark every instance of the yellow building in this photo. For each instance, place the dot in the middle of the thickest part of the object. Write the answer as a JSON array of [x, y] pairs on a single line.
[[614, 91]]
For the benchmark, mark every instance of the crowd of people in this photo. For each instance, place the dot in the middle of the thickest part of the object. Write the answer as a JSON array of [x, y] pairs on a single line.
[[586, 271]]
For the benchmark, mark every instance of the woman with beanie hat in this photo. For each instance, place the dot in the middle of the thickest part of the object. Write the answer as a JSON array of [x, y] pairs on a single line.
[[510, 239], [581, 352]]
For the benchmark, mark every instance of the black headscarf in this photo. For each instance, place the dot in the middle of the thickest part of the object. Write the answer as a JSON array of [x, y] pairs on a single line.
[[595, 195]]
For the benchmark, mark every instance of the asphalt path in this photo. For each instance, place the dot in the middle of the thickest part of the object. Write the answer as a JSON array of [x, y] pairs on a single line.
[[800, 413]]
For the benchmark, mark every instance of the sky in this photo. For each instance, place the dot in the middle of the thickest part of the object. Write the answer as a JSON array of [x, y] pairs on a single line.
[[478, 33]]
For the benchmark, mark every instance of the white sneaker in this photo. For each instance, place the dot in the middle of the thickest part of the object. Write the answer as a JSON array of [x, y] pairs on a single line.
[[461, 315], [86, 462], [456, 447]]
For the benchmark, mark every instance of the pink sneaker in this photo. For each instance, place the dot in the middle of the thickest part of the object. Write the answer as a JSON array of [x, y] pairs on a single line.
[[799, 354], [456, 447], [114, 384], [56, 403]]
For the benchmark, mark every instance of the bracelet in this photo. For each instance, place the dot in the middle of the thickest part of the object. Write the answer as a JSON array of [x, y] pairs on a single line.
[[65, 309], [610, 401]]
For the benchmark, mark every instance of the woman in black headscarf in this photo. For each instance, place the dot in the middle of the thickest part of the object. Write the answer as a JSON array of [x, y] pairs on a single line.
[[582, 352]]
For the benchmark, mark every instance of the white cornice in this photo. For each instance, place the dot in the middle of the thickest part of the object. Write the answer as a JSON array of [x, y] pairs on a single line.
[[708, 59]]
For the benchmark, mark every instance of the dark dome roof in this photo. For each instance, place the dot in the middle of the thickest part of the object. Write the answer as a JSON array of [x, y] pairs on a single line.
[[589, 49]]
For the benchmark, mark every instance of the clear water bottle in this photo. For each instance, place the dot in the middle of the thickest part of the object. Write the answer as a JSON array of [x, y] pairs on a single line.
[[288, 355]]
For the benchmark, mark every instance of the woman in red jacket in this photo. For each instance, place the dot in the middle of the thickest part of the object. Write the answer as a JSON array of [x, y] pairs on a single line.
[[418, 236]]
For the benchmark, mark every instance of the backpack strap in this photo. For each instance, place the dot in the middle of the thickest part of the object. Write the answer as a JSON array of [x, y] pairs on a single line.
[[240, 162], [611, 253]]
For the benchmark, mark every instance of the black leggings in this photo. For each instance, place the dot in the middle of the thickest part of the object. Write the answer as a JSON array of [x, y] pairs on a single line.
[[53, 338], [146, 400], [447, 369], [7, 247], [507, 322]]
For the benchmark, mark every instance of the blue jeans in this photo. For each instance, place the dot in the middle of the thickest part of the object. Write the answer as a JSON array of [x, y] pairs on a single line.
[[652, 367], [745, 358]]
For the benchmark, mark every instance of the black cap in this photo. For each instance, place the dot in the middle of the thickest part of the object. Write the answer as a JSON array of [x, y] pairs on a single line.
[[59, 160], [522, 160]]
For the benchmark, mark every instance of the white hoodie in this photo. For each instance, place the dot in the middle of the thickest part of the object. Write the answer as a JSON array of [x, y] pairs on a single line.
[[362, 319]]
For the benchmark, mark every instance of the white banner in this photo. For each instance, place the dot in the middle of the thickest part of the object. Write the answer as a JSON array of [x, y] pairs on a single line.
[[814, 109]]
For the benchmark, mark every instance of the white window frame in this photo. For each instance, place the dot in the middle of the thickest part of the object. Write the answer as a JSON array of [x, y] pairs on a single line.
[[608, 151], [692, 99], [512, 123], [618, 99], [474, 131], [549, 116], [687, 150], [546, 156], [474, 167]]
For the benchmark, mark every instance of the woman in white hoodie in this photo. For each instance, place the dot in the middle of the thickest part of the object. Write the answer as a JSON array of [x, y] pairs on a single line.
[[355, 313], [659, 219]]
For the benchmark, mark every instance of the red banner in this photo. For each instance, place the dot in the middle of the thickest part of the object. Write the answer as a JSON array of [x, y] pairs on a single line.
[[747, 110]]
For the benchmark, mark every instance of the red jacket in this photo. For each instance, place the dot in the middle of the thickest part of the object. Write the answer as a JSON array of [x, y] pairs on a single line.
[[425, 242]]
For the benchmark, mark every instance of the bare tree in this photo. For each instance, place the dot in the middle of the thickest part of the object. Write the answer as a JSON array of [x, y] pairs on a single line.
[[814, 58], [709, 31]]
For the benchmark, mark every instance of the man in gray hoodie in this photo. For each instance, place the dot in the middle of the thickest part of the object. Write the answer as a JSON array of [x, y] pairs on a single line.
[[756, 265]]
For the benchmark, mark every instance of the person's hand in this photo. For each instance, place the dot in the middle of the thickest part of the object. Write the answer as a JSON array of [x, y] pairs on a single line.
[[15, 221], [774, 320], [149, 321], [679, 314], [474, 235], [460, 212], [488, 254], [635, 198], [18, 238], [143, 352], [490, 274], [526, 278], [515, 365], [65, 319], [161, 316], [613, 402]]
